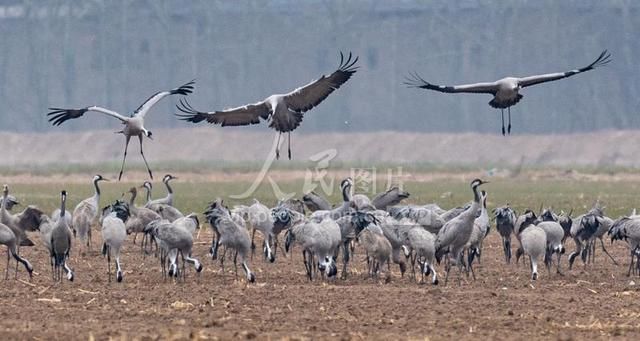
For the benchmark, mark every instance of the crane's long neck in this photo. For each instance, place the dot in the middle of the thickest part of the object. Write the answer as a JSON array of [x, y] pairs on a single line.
[[96, 195], [170, 191], [346, 193], [132, 200], [476, 200], [148, 194], [3, 208], [63, 203]]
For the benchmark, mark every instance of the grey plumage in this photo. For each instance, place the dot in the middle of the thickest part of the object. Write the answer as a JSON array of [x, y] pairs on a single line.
[[189, 222], [61, 243], [506, 90], [395, 231], [421, 248], [423, 215], [168, 200], [114, 234], [140, 217], [11, 201], [317, 240], [258, 217], [628, 229], [505, 221], [390, 197], [344, 209], [20, 223], [162, 206], [284, 112], [533, 240], [231, 235], [481, 227], [455, 233], [315, 202], [86, 212], [8, 239], [377, 248], [174, 240], [554, 234], [585, 230]]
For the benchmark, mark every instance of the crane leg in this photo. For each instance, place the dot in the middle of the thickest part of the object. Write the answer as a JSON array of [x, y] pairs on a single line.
[[278, 147], [289, 145], [143, 158], [509, 126], [126, 146], [502, 113]]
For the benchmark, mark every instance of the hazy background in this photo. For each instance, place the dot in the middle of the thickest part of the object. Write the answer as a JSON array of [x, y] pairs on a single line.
[[117, 53]]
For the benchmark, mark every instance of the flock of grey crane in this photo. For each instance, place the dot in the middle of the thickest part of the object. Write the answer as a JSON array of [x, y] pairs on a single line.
[[415, 237]]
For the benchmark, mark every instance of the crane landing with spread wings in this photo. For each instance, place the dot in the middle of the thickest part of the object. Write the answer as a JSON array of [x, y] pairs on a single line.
[[505, 91], [133, 125], [284, 112]]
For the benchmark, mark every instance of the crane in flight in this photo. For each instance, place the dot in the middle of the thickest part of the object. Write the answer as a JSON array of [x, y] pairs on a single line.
[[133, 125], [506, 91], [284, 112]]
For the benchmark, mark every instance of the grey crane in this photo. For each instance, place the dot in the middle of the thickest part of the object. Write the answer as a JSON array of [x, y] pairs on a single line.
[[627, 229], [113, 235], [27, 220], [133, 125], [8, 239], [284, 112], [343, 209], [229, 234], [390, 197], [11, 201], [258, 217], [315, 202], [505, 221], [61, 243], [506, 91], [175, 239], [140, 217], [168, 200], [533, 240], [455, 233], [86, 212], [166, 211], [481, 228]]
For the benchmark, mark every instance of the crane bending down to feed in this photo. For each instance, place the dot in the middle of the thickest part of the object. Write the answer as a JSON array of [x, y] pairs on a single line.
[[283, 111], [133, 125], [506, 90]]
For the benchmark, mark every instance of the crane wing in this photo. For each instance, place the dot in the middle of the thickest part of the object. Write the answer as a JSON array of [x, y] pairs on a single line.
[[415, 81], [60, 115], [184, 89], [305, 98], [603, 59], [240, 116]]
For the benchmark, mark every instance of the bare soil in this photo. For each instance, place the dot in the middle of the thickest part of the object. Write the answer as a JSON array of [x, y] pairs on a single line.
[[596, 301]]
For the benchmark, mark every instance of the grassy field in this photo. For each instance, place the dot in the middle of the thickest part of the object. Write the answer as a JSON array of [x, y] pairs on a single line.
[[619, 197]]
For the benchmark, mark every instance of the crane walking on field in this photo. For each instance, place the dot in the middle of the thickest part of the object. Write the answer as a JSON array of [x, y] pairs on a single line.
[[133, 125], [284, 112], [505, 91]]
